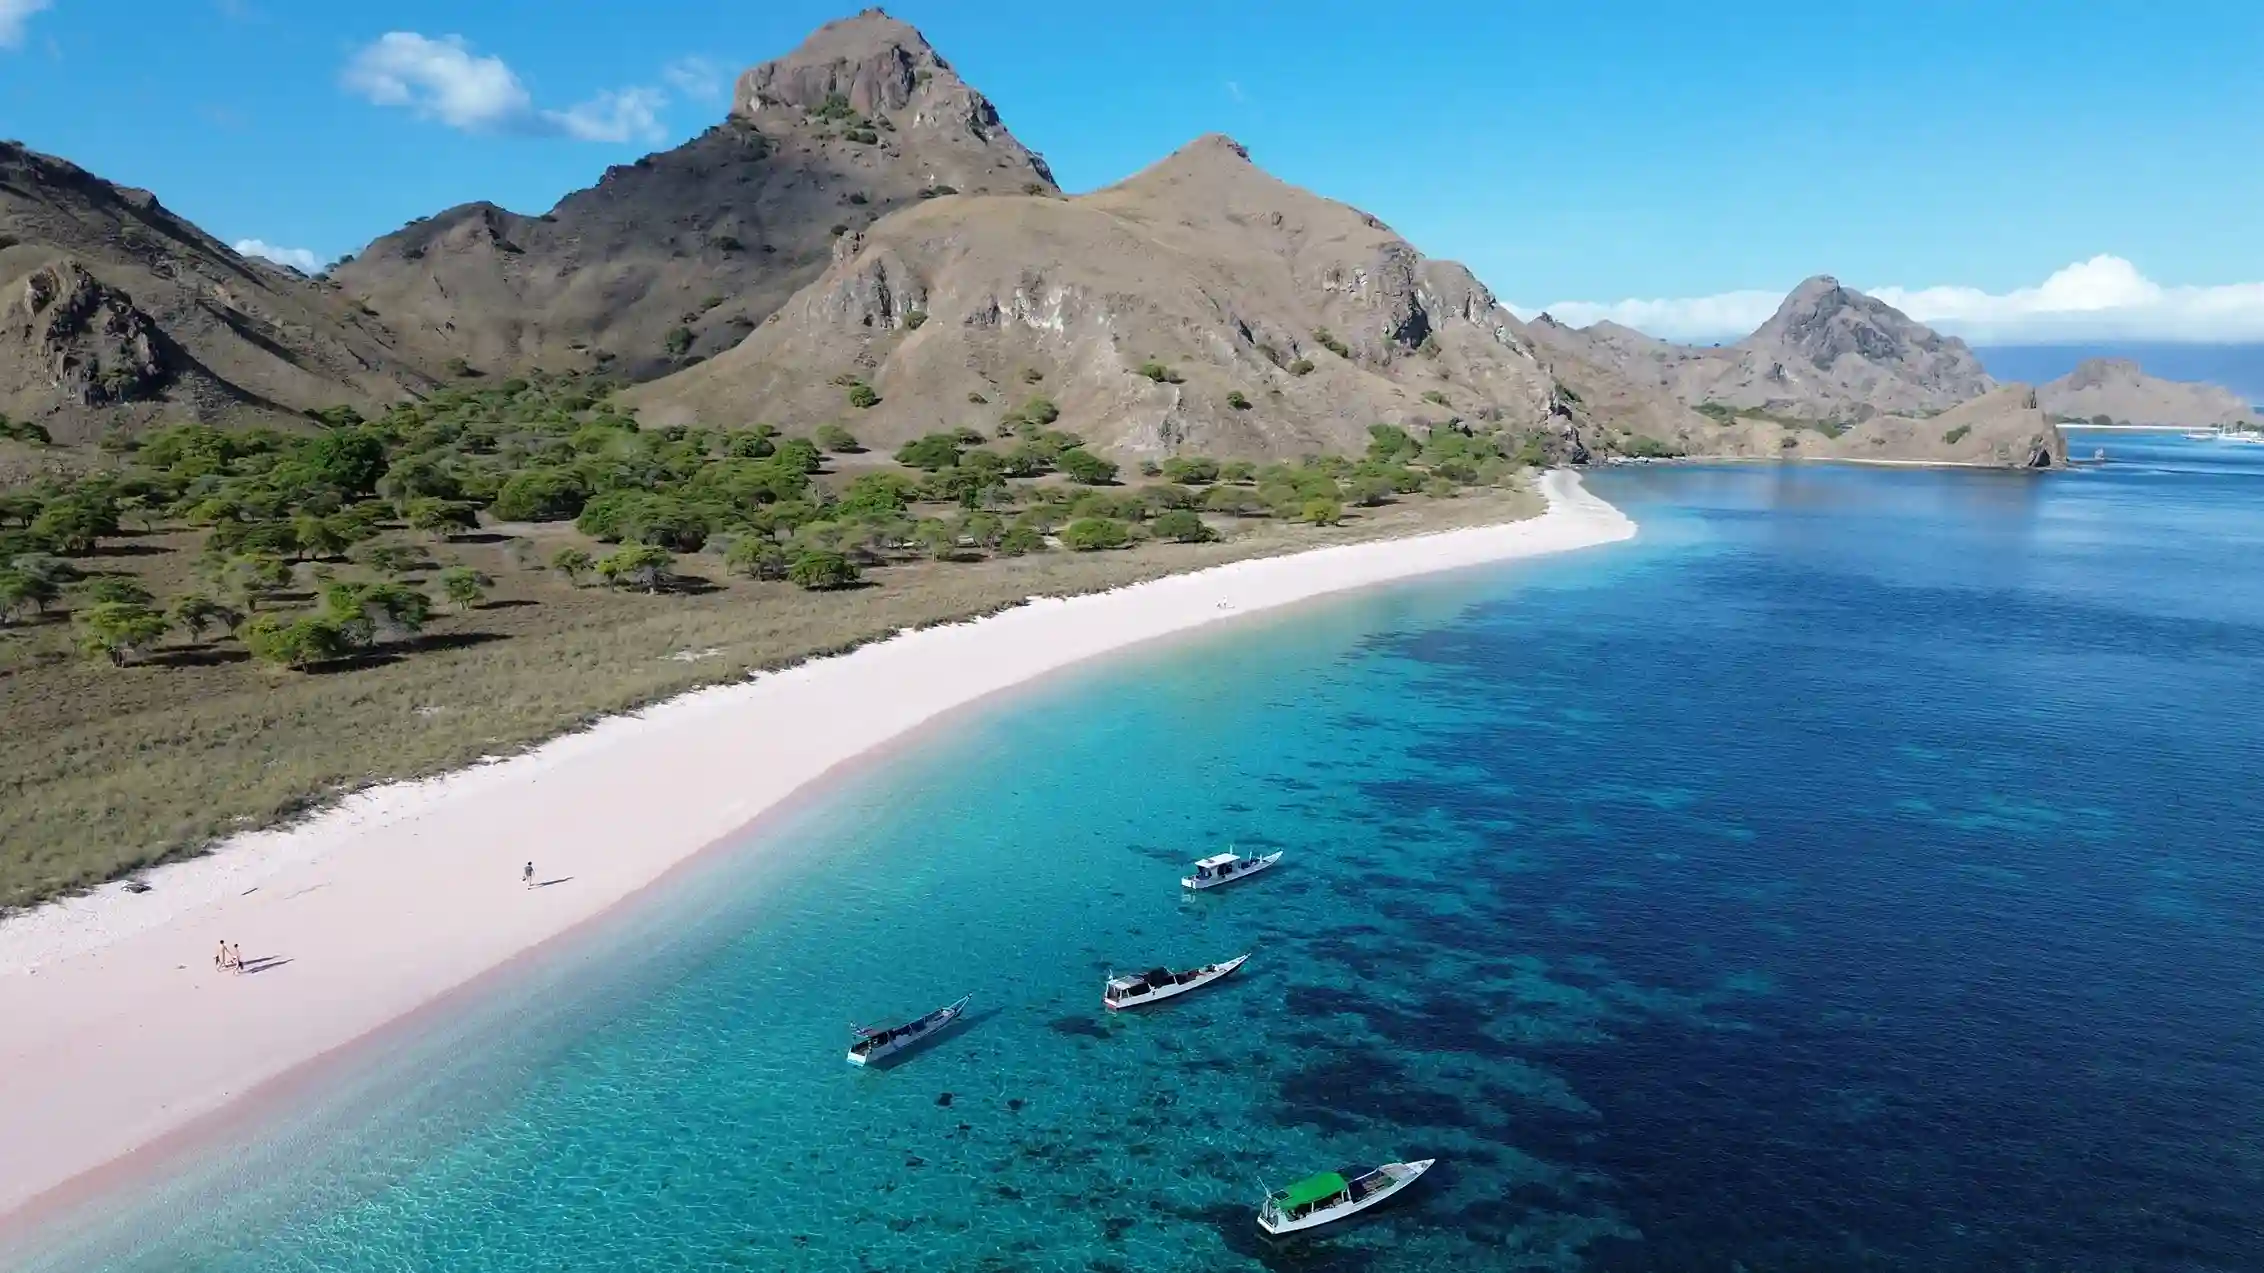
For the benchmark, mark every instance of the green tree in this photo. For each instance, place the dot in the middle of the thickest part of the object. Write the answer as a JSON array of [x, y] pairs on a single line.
[[442, 516], [933, 452], [540, 495], [20, 591], [876, 495], [822, 571], [677, 342], [364, 611], [1021, 540], [1091, 534], [836, 439], [348, 460], [196, 613], [1183, 526], [752, 444], [1369, 489], [1190, 470], [464, 586], [299, 644], [645, 566], [982, 529], [937, 538], [756, 557], [1302, 367], [1086, 468], [317, 538], [801, 453], [116, 590], [120, 630], [73, 523], [862, 396], [1322, 511], [1236, 470], [572, 563], [1236, 400], [253, 576], [1160, 373]]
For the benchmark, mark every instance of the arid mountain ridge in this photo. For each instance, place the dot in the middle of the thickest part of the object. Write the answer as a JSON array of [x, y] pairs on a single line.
[[116, 312], [863, 240]]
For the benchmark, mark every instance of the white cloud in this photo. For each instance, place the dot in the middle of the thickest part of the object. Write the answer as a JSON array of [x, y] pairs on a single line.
[[2104, 298], [301, 259], [444, 80], [631, 114], [14, 14], [698, 78]]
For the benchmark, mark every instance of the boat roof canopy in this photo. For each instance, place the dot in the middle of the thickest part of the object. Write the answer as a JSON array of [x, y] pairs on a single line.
[[1313, 1189], [1220, 860]]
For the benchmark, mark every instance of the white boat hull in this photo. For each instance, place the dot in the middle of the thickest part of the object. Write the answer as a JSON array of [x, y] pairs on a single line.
[[1256, 865], [1204, 977], [1399, 1176]]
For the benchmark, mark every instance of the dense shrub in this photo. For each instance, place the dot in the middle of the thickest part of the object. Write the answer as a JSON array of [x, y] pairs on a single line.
[[1092, 534]]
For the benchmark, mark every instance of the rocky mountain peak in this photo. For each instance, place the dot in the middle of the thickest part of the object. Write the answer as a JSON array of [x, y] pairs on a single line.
[[2094, 373], [872, 69]]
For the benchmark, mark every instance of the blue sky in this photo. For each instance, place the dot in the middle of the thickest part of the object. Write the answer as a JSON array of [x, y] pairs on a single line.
[[1704, 157]]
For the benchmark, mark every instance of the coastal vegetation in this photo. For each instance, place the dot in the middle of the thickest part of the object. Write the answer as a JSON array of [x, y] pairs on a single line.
[[203, 630]]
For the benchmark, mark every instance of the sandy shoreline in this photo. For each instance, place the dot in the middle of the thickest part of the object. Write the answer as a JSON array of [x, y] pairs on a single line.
[[119, 1031]]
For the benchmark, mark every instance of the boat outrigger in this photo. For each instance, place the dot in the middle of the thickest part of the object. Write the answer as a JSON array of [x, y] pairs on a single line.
[[1334, 1195], [1226, 868], [872, 1045], [1141, 989]]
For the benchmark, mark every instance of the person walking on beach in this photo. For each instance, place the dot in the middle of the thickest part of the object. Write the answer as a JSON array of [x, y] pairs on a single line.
[[220, 957], [528, 876], [236, 956]]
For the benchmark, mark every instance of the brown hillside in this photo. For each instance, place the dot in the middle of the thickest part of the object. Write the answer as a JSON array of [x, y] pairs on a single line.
[[710, 237], [114, 313], [1229, 279]]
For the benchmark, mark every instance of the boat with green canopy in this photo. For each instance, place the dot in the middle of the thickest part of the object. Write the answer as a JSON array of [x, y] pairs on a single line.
[[1335, 1195]]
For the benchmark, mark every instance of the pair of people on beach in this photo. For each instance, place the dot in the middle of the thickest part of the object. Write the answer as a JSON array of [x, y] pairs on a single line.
[[229, 958]]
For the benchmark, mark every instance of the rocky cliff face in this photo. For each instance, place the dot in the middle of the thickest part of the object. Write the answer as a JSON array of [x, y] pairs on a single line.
[[1201, 305], [114, 312], [681, 254], [2120, 390], [1827, 354]]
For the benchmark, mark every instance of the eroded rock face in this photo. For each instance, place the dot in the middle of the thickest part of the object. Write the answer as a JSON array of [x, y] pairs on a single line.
[[94, 345]]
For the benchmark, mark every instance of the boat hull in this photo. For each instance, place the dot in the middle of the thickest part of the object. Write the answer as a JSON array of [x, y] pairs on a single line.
[[1400, 1175], [1257, 865], [913, 1035], [1215, 972]]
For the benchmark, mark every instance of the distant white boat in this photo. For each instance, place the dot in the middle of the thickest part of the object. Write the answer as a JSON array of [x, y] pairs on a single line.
[[1335, 1195], [2207, 436], [1225, 868], [1158, 984], [872, 1045]]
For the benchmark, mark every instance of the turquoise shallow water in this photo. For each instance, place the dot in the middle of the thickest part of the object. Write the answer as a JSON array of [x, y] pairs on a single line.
[[1857, 871]]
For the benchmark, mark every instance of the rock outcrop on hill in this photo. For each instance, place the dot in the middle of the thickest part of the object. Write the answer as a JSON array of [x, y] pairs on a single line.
[[115, 313], [679, 255], [1200, 305], [1827, 354], [2120, 390]]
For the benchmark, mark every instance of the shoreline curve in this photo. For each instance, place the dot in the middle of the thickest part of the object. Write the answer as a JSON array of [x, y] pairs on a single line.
[[400, 896]]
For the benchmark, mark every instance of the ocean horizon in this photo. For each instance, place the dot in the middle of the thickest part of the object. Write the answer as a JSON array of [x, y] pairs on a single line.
[[1851, 872]]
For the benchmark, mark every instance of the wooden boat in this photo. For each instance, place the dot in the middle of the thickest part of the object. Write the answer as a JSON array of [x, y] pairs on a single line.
[[1335, 1195], [872, 1045], [1157, 984], [1225, 868]]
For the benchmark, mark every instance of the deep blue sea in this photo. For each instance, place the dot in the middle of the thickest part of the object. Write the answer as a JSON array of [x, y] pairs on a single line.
[[1862, 870]]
